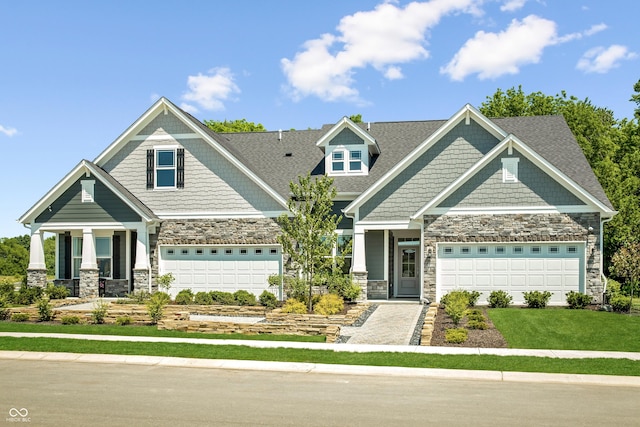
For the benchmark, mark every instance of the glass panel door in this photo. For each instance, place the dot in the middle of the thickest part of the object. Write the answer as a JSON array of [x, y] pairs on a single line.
[[408, 263]]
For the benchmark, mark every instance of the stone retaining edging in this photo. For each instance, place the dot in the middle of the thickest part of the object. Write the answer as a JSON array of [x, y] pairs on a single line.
[[429, 323]]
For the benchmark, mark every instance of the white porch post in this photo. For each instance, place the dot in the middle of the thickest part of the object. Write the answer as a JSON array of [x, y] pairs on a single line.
[[36, 251], [142, 258], [359, 255], [88, 250]]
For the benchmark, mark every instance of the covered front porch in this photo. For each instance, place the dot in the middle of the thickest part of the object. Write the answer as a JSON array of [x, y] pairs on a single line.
[[93, 260], [388, 260]]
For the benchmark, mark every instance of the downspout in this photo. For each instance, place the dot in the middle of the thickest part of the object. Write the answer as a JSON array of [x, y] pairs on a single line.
[[604, 288]]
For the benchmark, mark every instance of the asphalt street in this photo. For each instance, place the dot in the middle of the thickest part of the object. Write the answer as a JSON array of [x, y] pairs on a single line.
[[63, 393]]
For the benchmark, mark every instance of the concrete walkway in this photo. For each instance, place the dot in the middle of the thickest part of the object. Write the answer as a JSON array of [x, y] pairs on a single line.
[[390, 324]]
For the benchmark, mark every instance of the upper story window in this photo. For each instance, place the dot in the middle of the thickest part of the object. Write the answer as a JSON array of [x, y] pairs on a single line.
[[165, 168], [347, 161]]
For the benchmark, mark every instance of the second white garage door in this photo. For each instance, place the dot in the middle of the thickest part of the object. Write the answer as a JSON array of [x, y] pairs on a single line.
[[221, 268], [514, 268]]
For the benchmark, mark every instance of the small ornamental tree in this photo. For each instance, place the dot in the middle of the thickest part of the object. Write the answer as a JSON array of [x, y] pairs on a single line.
[[625, 264], [308, 230]]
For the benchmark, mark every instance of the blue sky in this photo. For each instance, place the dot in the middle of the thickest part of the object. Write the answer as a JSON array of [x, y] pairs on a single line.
[[75, 74]]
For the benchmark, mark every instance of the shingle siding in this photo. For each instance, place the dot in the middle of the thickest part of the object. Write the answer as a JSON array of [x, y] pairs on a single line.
[[534, 188], [212, 183], [374, 241], [346, 137], [423, 179]]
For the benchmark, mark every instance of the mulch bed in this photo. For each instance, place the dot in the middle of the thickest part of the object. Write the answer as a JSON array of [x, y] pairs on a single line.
[[488, 338]]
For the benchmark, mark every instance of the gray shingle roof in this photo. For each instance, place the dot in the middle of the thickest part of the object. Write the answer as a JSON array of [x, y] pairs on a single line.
[[279, 161]]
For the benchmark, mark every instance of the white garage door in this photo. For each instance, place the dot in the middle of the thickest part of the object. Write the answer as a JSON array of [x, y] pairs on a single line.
[[514, 268], [220, 268]]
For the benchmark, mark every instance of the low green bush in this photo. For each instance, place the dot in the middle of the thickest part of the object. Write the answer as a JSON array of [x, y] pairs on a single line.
[[268, 300], [499, 299], [343, 285], [45, 312], [475, 314], [19, 317], [99, 311], [7, 290], [27, 295], [477, 324], [577, 300], [139, 297], [329, 304], [184, 297], [4, 310], [471, 296], [537, 299], [56, 292], [156, 304], [456, 335], [224, 298], [202, 298], [457, 303], [70, 320], [123, 320], [620, 303], [243, 297], [294, 306]]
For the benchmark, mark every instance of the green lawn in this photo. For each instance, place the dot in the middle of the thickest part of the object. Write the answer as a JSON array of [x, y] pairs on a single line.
[[493, 363], [143, 331], [564, 329]]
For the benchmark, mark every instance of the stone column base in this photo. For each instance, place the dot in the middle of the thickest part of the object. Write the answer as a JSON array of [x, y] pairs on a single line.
[[360, 278], [89, 283], [141, 280], [37, 277]]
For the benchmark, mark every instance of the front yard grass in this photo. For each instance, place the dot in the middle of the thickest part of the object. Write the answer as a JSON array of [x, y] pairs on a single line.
[[564, 329], [143, 331]]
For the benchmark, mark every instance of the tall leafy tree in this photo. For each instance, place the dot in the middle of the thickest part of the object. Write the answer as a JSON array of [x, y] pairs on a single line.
[[14, 257], [240, 125], [308, 231]]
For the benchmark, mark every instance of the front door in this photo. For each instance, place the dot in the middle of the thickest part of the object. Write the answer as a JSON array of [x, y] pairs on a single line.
[[408, 270]]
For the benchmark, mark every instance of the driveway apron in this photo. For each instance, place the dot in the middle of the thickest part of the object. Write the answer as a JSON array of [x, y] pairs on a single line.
[[389, 324]]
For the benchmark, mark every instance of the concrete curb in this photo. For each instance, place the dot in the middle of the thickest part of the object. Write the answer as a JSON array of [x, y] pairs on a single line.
[[317, 368]]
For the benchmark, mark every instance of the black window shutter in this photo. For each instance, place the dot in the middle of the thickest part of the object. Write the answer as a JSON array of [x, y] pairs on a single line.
[[150, 167], [180, 167]]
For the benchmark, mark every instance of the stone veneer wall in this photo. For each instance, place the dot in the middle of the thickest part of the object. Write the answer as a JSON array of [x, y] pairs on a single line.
[[510, 229], [377, 289], [89, 283], [37, 277], [236, 231]]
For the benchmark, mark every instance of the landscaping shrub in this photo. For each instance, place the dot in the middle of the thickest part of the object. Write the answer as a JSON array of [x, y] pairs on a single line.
[[457, 303], [268, 300], [224, 298], [477, 324], [499, 299], [7, 290], [157, 302], [19, 317], [243, 297], [139, 297], [294, 306], [202, 298], [329, 304], [45, 313], [123, 320], [56, 292], [620, 303], [576, 300], [27, 295], [344, 286], [164, 282], [537, 299], [456, 335], [296, 288], [475, 314], [69, 320], [4, 310], [471, 297], [184, 297], [99, 311]]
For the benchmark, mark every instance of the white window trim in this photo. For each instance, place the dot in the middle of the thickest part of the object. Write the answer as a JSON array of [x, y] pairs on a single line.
[[510, 169], [346, 151], [156, 168], [88, 190]]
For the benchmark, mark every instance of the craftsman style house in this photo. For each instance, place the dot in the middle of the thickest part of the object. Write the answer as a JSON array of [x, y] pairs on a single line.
[[429, 206]]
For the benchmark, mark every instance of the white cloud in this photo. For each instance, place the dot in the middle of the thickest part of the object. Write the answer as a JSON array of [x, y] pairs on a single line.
[[8, 131], [602, 60], [209, 91], [381, 38], [586, 33], [494, 54], [512, 5]]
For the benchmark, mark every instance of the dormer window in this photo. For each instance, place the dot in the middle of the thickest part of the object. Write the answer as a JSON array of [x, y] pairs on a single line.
[[355, 160], [347, 161], [337, 161]]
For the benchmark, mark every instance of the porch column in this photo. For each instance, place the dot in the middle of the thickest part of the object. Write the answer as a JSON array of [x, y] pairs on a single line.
[[359, 267], [141, 267], [36, 270], [88, 266]]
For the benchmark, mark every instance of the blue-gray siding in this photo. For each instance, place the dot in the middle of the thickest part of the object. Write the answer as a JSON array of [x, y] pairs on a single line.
[[534, 188], [107, 207], [346, 137], [420, 181], [374, 244]]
